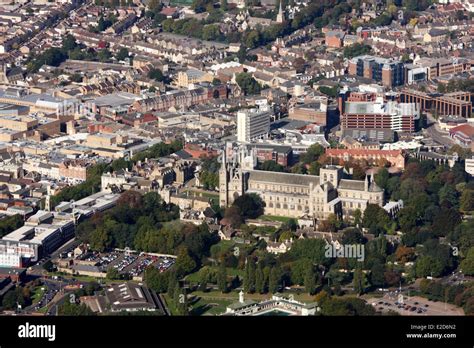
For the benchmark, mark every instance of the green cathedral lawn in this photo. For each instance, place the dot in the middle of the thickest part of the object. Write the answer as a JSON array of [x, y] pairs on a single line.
[[274, 218]]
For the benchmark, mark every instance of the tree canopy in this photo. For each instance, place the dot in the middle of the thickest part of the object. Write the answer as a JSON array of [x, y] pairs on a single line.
[[248, 84]]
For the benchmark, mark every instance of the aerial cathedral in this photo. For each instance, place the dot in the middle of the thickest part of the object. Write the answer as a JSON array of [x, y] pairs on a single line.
[[294, 195]]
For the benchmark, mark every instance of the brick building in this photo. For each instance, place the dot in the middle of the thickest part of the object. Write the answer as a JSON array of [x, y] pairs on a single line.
[[74, 169], [198, 151], [394, 157], [314, 112], [334, 38], [453, 104], [379, 114], [388, 71], [281, 154], [180, 99]]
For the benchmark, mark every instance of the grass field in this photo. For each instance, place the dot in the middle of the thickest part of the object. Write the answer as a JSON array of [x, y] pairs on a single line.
[[43, 309], [84, 278], [274, 218], [194, 277], [226, 244], [233, 296], [208, 306], [170, 304], [37, 293]]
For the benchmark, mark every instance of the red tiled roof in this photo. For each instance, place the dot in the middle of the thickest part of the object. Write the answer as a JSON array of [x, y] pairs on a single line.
[[464, 128], [168, 11]]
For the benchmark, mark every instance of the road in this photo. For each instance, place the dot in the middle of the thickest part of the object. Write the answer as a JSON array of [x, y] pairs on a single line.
[[57, 301], [37, 269], [54, 289], [435, 133]]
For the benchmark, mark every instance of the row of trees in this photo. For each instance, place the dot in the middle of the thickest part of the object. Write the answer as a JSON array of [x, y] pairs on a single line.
[[20, 295], [261, 279], [147, 223], [17, 295], [348, 306], [247, 206], [247, 83], [457, 85], [158, 150], [306, 264], [320, 13], [356, 49], [84, 189], [10, 223], [461, 295], [271, 166], [103, 23], [193, 28], [434, 197], [209, 176], [54, 56]]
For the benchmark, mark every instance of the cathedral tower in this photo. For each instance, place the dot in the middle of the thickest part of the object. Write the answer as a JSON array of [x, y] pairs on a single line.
[[231, 177]]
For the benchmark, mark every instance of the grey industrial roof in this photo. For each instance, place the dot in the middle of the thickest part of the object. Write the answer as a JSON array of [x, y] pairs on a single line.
[[283, 178], [129, 296], [351, 184]]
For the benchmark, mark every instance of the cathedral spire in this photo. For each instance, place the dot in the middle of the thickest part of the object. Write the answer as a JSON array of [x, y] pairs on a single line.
[[281, 15], [224, 157]]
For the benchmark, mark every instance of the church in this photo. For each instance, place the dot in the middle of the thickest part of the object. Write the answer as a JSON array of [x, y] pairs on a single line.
[[294, 195]]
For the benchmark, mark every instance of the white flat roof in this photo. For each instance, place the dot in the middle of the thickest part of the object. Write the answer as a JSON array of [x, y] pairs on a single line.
[[19, 234], [48, 230]]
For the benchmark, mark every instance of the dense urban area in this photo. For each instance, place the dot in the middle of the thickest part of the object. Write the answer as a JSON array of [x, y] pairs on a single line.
[[237, 157]]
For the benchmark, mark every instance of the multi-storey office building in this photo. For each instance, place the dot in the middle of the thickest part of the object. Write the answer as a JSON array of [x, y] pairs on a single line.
[[389, 72], [380, 114], [253, 124]]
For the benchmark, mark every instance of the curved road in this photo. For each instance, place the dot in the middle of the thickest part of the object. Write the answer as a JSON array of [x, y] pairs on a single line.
[[435, 133]]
